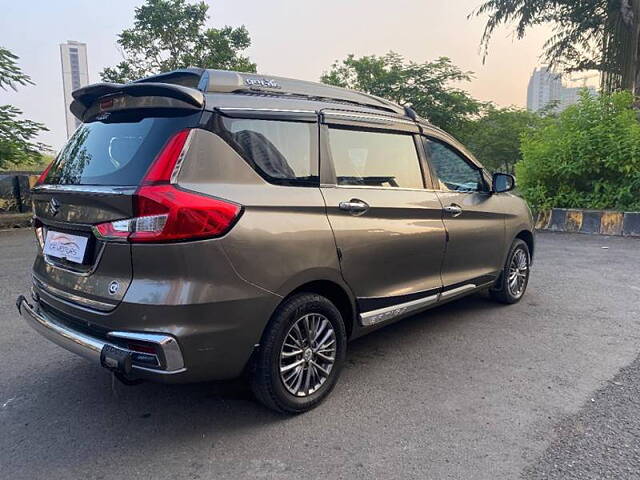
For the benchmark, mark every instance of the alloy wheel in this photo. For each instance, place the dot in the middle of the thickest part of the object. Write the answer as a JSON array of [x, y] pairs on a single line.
[[308, 354], [518, 273]]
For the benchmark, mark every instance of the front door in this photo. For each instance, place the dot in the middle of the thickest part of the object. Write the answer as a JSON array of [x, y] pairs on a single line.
[[388, 228], [473, 218]]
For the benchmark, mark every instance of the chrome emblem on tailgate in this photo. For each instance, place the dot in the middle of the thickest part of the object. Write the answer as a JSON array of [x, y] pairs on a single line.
[[114, 287]]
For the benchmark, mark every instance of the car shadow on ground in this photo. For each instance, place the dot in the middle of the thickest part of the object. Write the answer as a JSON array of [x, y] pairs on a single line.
[[75, 396]]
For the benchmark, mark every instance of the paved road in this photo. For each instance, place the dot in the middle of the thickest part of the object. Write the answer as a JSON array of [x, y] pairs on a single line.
[[472, 390], [601, 441]]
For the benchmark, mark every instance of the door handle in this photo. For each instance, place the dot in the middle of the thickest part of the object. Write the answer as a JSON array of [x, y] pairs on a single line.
[[354, 206], [454, 210]]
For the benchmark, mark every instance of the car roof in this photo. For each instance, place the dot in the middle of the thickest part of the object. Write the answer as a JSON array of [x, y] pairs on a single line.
[[229, 89], [270, 101], [222, 88], [264, 90]]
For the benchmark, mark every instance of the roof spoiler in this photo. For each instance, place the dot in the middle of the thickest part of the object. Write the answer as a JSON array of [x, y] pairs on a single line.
[[186, 77], [85, 97]]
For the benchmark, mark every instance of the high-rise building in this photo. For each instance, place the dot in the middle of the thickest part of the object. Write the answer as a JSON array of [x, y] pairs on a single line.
[[571, 95], [75, 74], [545, 88]]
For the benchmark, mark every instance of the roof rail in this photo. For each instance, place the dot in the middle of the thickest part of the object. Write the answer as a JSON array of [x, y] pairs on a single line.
[[223, 81]]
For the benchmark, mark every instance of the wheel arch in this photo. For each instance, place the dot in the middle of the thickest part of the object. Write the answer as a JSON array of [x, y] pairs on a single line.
[[527, 237], [337, 294]]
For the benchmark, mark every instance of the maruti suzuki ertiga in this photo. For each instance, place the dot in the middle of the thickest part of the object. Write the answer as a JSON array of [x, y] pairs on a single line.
[[200, 224]]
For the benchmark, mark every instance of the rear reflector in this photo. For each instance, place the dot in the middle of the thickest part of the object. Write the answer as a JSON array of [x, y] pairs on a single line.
[[142, 347], [164, 212]]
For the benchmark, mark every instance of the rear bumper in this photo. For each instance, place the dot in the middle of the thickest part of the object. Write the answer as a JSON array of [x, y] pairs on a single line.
[[169, 356]]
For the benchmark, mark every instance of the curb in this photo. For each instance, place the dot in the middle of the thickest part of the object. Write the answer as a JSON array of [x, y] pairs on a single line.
[[594, 222], [15, 192], [15, 198], [15, 220]]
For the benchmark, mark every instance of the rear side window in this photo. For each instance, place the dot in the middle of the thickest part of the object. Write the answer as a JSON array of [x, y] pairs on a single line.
[[115, 151], [375, 159], [282, 152]]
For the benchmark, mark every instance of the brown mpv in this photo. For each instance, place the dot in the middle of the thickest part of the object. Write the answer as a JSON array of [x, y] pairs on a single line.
[[200, 224]]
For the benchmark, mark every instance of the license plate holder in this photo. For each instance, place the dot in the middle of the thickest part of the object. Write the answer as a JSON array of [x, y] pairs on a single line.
[[65, 246]]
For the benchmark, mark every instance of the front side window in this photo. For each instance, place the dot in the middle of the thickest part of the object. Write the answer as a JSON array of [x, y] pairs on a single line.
[[282, 152], [375, 159], [453, 171]]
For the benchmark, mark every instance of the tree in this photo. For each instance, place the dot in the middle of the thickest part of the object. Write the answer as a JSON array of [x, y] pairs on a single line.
[[495, 136], [586, 157], [171, 34], [602, 35], [426, 86], [17, 135]]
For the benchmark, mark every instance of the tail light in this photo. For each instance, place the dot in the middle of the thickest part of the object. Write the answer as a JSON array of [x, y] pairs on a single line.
[[164, 212], [39, 229], [43, 175], [167, 163]]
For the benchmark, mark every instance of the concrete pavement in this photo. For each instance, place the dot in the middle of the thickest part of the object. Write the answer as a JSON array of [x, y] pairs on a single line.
[[472, 390]]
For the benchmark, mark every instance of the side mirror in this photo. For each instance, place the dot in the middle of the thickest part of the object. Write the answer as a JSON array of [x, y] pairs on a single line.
[[503, 182]]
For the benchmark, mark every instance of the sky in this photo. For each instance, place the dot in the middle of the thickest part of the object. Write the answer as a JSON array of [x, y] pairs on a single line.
[[293, 38]]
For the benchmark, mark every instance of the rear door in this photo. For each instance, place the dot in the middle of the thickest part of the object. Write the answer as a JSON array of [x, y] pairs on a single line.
[[387, 225], [473, 217], [92, 181]]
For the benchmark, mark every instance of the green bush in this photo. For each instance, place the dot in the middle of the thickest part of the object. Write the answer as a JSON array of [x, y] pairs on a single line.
[[494, 137], [586, 157]]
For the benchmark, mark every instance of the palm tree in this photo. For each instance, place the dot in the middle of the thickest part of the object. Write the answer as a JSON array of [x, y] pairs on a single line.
[[602, 35]]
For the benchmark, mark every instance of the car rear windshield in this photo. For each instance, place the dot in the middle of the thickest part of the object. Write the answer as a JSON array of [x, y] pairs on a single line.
[[117, 150]]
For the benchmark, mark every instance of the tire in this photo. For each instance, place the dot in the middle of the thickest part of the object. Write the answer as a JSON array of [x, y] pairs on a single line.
[[504, 291], [294, 325]]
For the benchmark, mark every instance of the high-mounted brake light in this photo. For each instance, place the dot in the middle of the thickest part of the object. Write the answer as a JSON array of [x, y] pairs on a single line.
[[106, 104], [165, 213]]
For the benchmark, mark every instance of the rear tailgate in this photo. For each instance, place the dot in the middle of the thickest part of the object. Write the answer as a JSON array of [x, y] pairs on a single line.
[[101, 277], [93, 180]]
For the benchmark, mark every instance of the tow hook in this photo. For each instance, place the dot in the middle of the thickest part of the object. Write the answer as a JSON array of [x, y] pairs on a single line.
[[115, 359], [118, 361]]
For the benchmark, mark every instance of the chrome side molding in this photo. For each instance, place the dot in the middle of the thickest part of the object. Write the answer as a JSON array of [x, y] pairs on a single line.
[[383, 314], [458, 291]]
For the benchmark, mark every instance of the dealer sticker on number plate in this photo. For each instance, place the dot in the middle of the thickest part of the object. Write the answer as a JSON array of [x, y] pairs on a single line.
[[65, 245]]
